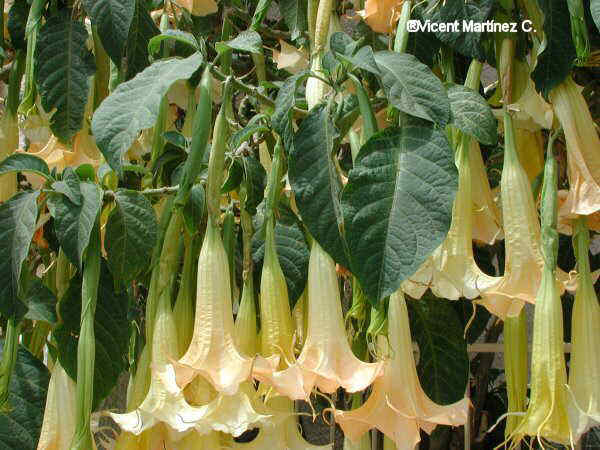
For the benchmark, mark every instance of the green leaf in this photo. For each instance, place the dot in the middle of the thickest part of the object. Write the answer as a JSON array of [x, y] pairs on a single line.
[[345, 49], [73, 223], [556, 61], [131, 232], [316, 182], [113, 19], [69, 186], [141, 31], [20, 427], [41, 302], [62, 67], [256, 181], [195, 209], [397, 204], [472, 115], [247, 41], [443, 361], [467, 43], [424, 46], [134, 106], [595, 10], [412, 87], [185, 38], [25, 162], [17, 19], [342, 44], [292, 252], [18, 217], [284, 106], [294, 15], [235, 175], [177, 139], [111, 330]]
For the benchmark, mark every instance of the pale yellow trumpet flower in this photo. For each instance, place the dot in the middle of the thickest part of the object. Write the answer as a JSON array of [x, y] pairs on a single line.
[[212, 352], [9, 141], [583, 165], [398, 406], [584, 375]]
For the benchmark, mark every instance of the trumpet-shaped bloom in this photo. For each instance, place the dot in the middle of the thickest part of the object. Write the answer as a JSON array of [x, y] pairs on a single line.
[[523, 263], [583, 164], [212, 352], [381, 15], [584, 375], [59, 415], [246, 337], [398, 406], [455, 272], [290, 58], [487, 221], [326, 356], [9, 141]]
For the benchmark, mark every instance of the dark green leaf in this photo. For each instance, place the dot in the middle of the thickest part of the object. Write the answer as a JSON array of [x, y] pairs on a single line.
[[363, 59], [243, 135], [472, 115], [177, 139], [316, 182], [195, 208], [113, 20], [247, 41], [292, 252], [69, 186], [18, 216], [20, 427], [62, 67], [17, 18], [557, 59], [256, 182], [141, 31], [398, 203], [411, 87], [111, 330], [41, 302], [341, 43], [595, 10], [294, 15], [185, 38], [134, 106], [284, 106], [131, 232], [443, 361], [424, 46], [467, 43], [25, 162], [73, 223], [234, 176]]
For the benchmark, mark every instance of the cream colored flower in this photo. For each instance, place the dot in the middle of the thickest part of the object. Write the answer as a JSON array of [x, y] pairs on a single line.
[[381, 15], [9, 141], [199, 7], [290, 58], [583, 164], [397, 406]]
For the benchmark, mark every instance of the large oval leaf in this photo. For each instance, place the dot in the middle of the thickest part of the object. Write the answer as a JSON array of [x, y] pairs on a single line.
[[134, 106], [412, 87], [398, 204], [62, 67], [472, 115], [316, 183]]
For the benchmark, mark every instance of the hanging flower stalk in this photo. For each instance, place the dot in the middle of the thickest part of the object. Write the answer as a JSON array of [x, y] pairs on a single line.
[[584, 375], [547, 412], [583, 165], [398, 406]]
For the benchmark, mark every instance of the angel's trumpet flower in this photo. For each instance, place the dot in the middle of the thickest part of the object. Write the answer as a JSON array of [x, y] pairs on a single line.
[[9, 141], [583, 164], [364, 443], [584, 376], [523, 264], [455, 272], [212, 352], [515, 363], [326, 354], [59, 415], [487, 220], [381, 15], [398, 406], [547, 412]]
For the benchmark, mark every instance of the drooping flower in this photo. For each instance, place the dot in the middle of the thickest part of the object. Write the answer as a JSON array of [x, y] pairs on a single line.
[[547, 412], [58, 426], [583, 165], [584, 374], [523, 265], [212, 352], [381, 15], [398, 406], [455, 272], [199, 7], [290, 58], [326, 355]]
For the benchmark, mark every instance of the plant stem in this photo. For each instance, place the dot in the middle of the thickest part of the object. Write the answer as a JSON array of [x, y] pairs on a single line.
[[401, 40], [9, 358]]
